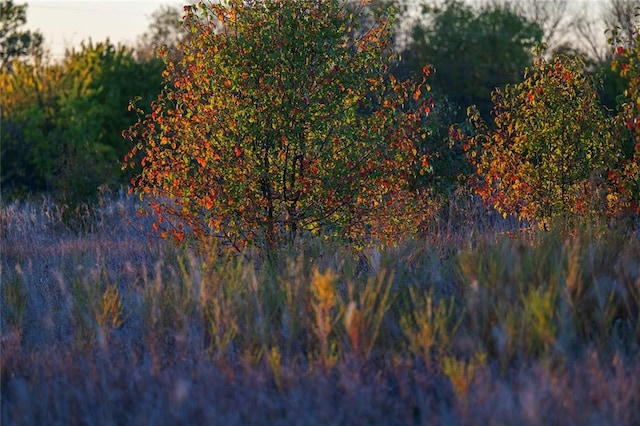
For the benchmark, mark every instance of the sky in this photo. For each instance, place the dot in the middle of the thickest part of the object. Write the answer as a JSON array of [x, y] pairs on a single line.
[[66, 23]]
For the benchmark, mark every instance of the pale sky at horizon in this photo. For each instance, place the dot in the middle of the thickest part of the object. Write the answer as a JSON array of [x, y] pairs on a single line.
[[66, 23]]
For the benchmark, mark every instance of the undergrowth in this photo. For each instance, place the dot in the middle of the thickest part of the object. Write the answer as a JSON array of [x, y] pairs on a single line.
[[475, 323]]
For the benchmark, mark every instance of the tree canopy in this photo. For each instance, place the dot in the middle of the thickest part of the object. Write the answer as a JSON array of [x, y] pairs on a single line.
[[281, 117], [15, 42], [473, 50], [552, 144], [62, 122]]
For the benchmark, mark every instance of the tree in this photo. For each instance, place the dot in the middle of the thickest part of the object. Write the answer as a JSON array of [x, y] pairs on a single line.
[[62, 122], [277, 120], [622, 15], [619, 16], [590, 26], [552, 16], [165, 30], [624, 190], [473, 51], [16, 43], [552, 146]]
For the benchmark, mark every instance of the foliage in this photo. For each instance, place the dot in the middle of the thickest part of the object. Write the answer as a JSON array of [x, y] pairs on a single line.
[[473, 51], [165, 30], [624, 196], [554, 17], [62, 122], [613, 85], [280, 118], [553, 143], [549, 297], [16, 43], [440, 142], [324, 304], [429, 328]]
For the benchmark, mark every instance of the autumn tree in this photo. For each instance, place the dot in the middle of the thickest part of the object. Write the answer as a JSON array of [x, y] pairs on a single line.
[[624, 190], [280, 118], [553, 142]]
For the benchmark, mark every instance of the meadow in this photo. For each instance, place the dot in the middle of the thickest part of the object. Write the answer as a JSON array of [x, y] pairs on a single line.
[[473, 323]]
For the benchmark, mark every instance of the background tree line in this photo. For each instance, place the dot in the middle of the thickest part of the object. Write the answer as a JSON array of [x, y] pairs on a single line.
[[62, 122]]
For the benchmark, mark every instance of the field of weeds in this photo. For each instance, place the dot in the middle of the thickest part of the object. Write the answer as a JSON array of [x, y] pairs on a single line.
[[472, 324]]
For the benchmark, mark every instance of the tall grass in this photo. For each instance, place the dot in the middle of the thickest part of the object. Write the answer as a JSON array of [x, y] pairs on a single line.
[[472, 324]]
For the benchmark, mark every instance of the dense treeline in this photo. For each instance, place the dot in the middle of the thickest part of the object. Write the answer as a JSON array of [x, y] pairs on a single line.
[[62, 122]]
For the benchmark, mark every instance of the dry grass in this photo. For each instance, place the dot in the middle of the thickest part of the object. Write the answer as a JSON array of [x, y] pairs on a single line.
[[470, 325]]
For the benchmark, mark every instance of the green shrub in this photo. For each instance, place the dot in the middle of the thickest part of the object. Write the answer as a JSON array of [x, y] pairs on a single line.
[[62, 122]]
